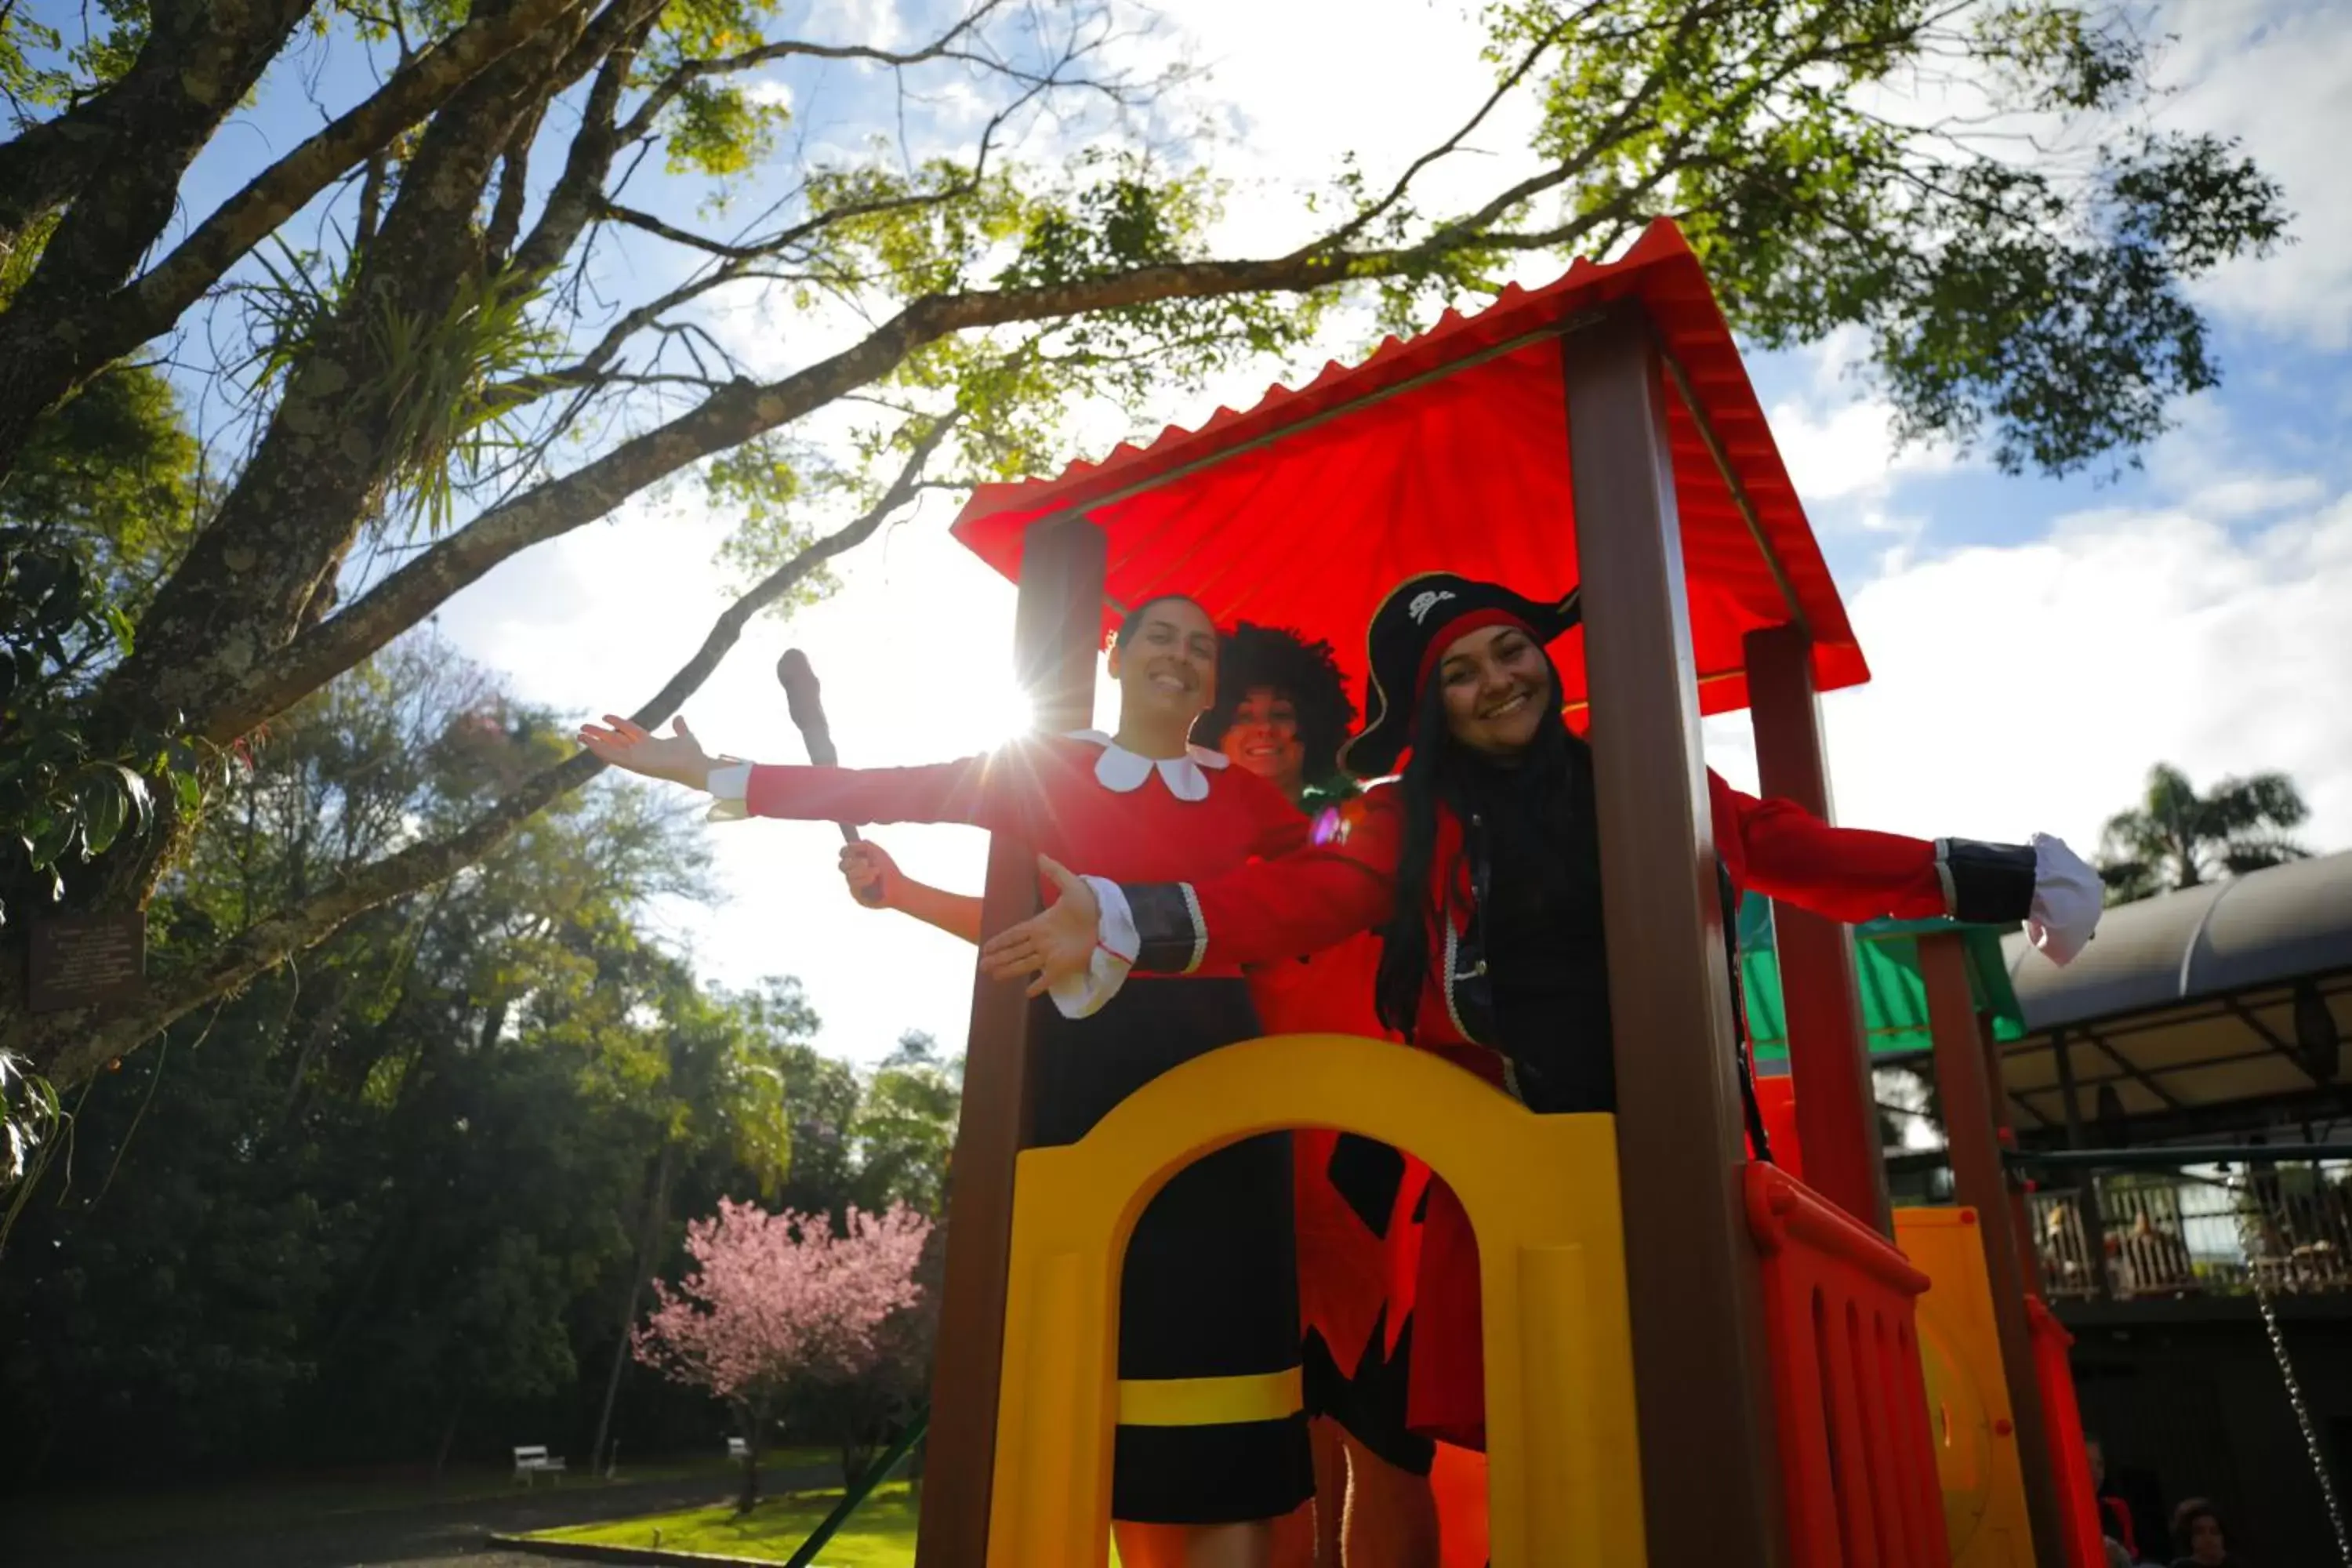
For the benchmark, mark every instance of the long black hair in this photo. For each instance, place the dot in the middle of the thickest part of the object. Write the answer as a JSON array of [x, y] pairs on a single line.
[[1539, 809]]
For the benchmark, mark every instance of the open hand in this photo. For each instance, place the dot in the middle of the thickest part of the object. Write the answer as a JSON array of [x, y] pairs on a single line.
[[872, 874], [1051, 946], [676, 756]]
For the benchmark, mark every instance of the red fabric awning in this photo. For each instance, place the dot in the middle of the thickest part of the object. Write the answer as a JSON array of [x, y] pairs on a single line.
[[1449, 451]]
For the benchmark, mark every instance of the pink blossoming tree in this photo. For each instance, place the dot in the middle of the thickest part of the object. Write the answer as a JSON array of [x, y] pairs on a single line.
[[774, 1300]]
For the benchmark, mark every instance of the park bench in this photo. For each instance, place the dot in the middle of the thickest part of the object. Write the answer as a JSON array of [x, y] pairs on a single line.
[[533, 1462]]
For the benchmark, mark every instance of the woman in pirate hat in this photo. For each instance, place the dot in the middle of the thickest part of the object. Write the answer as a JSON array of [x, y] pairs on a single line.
[[1480, 868]]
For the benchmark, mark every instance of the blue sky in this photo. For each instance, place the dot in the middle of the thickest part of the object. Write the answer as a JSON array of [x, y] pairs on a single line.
[[2037, 644]]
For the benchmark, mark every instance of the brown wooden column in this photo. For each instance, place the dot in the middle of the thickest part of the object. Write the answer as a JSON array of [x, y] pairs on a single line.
[[2021, 1213], [1837, 1116], [1973, 1146], [1699, 1358], [1057, 637], [2087, 1185]]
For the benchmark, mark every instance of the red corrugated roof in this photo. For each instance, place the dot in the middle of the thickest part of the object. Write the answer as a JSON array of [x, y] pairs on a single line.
[[1448, 451]]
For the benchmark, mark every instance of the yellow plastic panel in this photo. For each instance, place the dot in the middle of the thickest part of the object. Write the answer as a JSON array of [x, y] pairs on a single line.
[[1967, 1399], [1541, 1192]]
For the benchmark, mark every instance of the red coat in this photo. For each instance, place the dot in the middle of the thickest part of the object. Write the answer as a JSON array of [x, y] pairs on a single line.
[[1320, 897], [1323, 896], [1050, 792], [1345, 1268]]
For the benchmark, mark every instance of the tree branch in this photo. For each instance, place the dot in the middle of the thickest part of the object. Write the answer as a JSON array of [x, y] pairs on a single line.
[[281, 190], [85, 1047], [51, 349], [1452, 143], [514, 188], [618, 34], [614, 212], [724, 420], [192, 67], [691, 71]]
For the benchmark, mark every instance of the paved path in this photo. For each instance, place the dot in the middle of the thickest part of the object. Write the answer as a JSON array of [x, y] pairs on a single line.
[[436, 1535]]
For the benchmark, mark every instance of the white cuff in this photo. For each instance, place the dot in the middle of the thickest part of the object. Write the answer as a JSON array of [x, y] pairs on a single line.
[[728, 786], [1115, 944], [2067, 899]]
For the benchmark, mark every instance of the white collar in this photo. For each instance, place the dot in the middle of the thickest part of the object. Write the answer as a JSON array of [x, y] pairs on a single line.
[[1122, 771]]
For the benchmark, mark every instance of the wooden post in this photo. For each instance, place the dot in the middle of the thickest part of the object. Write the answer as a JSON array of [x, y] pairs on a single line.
[[2087, 1185], [2021, 1213], [1837, 1116], [2064, 1060], [1973, 1146], [1057, 637], [1699, 1359]]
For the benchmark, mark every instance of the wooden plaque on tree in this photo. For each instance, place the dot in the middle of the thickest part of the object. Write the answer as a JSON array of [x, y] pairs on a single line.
[[86, 960]]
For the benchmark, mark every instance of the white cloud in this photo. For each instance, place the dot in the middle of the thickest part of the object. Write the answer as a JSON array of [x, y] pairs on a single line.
[[2030, 688], [2278, 74], [1837, 437], [2256, 495], [1305, 82], [1837, 451]]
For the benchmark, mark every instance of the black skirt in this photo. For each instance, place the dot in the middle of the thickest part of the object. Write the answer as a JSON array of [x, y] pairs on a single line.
[[1212, 1428]]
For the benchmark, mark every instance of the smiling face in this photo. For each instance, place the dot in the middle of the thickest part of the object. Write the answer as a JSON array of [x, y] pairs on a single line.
[[1495, 682], [1265, 739], [1167, 670]]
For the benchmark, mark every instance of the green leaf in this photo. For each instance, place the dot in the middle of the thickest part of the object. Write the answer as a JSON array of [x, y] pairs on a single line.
[[48, 834], [134, 790], [105, 806]]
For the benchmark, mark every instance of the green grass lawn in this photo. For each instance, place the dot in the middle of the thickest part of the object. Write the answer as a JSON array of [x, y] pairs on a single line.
[[880, 1535]]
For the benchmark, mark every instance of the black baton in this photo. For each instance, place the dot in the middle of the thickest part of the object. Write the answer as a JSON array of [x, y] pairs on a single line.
[[805, 700]]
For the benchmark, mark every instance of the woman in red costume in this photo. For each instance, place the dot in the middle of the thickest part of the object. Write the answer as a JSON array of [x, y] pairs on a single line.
[[1283, 712], [1480, 867], [1209, 1313]]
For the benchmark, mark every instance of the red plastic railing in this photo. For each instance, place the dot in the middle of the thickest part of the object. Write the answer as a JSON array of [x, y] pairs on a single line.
[[2067, 1450], [1857, 1460]]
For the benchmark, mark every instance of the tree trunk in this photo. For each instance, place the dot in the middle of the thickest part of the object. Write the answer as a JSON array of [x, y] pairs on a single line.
[[751, 1421], [119, 158], [856, 1457], [448, 1438], [649, 1240]]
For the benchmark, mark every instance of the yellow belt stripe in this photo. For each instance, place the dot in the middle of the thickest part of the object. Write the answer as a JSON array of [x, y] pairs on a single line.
[[1209, 1401]]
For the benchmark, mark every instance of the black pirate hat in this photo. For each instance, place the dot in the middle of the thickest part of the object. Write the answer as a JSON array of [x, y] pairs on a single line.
[[1415, 624]]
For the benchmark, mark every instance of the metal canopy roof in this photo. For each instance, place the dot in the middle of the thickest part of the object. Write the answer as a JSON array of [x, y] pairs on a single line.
[[2185, 1006]]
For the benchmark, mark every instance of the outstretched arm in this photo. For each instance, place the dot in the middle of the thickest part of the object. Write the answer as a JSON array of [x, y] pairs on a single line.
[[866, 865], [1783, 851], [983, 791], [1261, 912]]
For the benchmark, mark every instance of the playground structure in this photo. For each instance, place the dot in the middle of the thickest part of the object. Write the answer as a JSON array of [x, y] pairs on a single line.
[[1658, 1308]]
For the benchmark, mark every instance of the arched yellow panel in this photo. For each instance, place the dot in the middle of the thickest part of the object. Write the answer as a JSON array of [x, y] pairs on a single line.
[[1541, 1192], [1968, 1398]]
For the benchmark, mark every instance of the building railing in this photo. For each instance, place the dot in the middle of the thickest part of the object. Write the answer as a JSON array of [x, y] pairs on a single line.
[[2197, 1231]]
